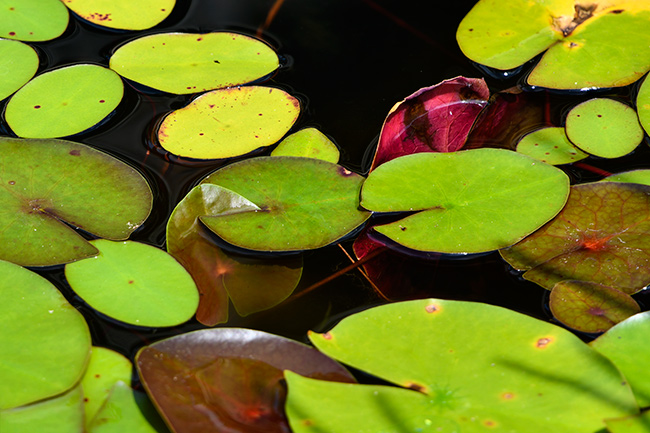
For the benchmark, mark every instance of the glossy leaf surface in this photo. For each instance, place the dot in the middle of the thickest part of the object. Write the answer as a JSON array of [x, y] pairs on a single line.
[[550, 145], [227, 378], [465, 202], [48, 184], [297, 211], [308, 143], [64, 101], [44, 343], [252, 284], [125, 277], [643, 105], [185, 63], [601, 236], [32, 20], [122, 14], [528, 376], [18, 64]]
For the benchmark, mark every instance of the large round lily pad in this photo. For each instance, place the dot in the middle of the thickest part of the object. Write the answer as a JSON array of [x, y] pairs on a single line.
[[18, 64], [122, 14], [32, 20]]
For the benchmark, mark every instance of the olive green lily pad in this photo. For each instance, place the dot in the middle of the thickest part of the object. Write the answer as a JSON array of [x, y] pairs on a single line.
[[304, 203], [529, 376], [122, 14], [550, 145], [135, 283], [49, 185], [32, 20], [185, 63], [465, 202], [229, 122], [64, 101], [643, 105], [44, 343], [633, 176], [629, 424], [604, 127], [308, 143], [18, 64]]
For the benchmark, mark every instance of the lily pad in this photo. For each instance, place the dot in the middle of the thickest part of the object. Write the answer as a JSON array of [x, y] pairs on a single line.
[[643, 105], [64, 101], [125, 278], [528, 376], [32, 20], [50, 185], [296, 211], [601, 236], [604, 127], [227, 378], [185, 63], [229, 122], [44, 343], [122, 14], [465, 202], [632, 176], [308, 143], [629, 424], [252, 284], [18, 64], [550, 145]]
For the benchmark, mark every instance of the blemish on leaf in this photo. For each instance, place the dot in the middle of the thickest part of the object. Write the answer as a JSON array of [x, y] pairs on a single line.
[[307, 422], [416, 387], [101, 101], [489, 423], [37, 106], [543, 342], [12, 182], [595, 311], [402, 228], [130, 281], [327, 336], [75, 152], [344, 172], [507, 396], [616, 11], [432, 308], [98, 375]]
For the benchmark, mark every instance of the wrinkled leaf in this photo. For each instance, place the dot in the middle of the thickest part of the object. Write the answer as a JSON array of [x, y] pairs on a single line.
[[227, 378], [304, 203], [50, 184], [18, 64], [465, 202], [643, 105], [308, 143], [122, 14], [550, 145], [32, 20]]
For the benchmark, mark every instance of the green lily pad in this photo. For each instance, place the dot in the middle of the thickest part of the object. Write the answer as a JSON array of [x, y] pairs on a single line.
[[629, 424], [604, 127], [184, 63], [134, 283], [32, 20], [229, 122], [529, 376], [626, 346], [465, 202], [50, 185], [18, 64], [590, 307], [601, 236], [252, 284], [308, 143], [44, 343], [632, 176], [550, 145], [643, 105], [122, 14], [64, 101]]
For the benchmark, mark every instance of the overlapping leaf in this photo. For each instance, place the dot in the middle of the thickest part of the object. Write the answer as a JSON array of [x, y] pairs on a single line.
[[550, 145], [122, 14], [308, 143], [18, 64], [643, 105]]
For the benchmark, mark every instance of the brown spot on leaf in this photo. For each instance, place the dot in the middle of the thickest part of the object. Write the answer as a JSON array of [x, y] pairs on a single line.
[[616, 11], [37, 106], [595, 311], [543, 342], [344, 172], [98, 375], [130, 281], [12, 33], [582, 13], [75, 152], [307, 422], [12, 182], [101, 101], [432, 308], [573, 45], [327, 336], [507, 396], [489, 423], [416, 387]]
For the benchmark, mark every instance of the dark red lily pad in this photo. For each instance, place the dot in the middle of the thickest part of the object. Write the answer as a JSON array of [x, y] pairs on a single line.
[[433, 119], [228, 379]]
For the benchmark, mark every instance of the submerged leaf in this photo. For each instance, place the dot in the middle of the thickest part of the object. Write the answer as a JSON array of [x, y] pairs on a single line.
[[18, 64], [32, 20], [122, 14]]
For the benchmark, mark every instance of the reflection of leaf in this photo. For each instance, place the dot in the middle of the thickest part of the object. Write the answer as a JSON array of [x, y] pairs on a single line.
[[122, 14], [433, 119], [601, 235]]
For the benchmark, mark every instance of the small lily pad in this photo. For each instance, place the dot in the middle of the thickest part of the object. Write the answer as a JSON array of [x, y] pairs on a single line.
[[32, 20], [18, 64], [185, 63], [64, 101], [550, 145], [229, 122], [308, 143], [122, 14], [604, 127], [632, 176], [134, 283], [643, 105]]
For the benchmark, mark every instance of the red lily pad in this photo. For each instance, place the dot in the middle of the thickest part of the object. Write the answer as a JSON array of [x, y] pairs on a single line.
[[601, 235], [433, 119], [228, 379]]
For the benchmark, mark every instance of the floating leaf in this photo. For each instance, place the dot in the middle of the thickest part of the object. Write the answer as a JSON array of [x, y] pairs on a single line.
[[44, 343], [601, 236], [252, 284], [465, 202], [18, 64], [229, 122], [227, 378], [309, 143], [124, 279], [629, 424], [64, 101], [32, 20], [590, 307], [304, 203], [51, 184], [122, 14], [632, 176], [550, 145], [185, 63], [604, 127], [643, 105], [433, 119], [528, 376]]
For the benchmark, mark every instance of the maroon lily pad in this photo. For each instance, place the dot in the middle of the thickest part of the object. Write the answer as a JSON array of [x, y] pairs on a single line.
[[228, 379], [590, 307], [602, 235], [433, 119]]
